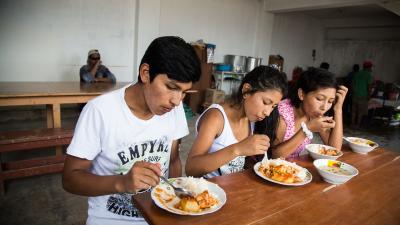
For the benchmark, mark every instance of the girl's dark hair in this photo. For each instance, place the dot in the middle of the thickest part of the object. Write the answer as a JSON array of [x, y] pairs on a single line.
[[311, 80], [172, 56], [263, 78]]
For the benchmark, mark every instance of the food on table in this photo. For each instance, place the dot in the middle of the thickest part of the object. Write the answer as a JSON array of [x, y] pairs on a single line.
[[282, 171], [335, 170], [363, 142], [198, 203], [201, 200], [335, 167], [326, 151]]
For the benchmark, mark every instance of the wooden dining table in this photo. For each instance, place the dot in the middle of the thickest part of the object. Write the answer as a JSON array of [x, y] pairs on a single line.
[[371, 197], [53, 95]]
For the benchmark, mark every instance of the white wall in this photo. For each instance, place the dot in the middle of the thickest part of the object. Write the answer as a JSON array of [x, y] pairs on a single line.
[[354, 40], [230, 24], [294, 37], [385, 55], [46, 40]]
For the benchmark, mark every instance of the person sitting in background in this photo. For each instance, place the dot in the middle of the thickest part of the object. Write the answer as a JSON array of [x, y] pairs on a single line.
[[305, 112], [94, 71], [224, 132], [324, 65], [361, 86]]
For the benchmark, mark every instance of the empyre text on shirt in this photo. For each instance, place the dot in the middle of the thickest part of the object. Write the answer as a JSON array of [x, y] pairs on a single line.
[[153, 147]]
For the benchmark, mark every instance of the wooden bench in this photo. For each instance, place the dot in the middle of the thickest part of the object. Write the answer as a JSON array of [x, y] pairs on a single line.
[[12, 141]]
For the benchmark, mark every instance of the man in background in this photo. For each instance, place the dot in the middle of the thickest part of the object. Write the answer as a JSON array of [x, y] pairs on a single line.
[[324, 65], [348, 102], [94, 71], [361, 84]]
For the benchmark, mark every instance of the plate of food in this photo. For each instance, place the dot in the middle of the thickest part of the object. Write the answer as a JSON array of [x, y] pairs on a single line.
[[319, 151], [207, 196], [283, 172]]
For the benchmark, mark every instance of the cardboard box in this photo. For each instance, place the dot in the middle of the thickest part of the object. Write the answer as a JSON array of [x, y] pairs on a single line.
[[214, 96]]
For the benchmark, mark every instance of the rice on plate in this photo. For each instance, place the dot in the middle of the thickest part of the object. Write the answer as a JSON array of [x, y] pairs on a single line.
[[207, 197]]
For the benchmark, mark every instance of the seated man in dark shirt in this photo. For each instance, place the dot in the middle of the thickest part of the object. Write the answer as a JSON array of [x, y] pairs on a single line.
[[93, 71]]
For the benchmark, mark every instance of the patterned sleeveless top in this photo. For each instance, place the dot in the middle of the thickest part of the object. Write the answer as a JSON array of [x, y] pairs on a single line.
[[286, 110], [225, 139]]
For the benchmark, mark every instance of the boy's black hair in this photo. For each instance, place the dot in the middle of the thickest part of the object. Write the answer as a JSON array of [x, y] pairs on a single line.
[[263, 78], [172, 56], [311, 80]]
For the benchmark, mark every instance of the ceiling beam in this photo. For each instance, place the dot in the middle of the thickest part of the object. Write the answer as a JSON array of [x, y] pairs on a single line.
[[277, 6], [393, 6]]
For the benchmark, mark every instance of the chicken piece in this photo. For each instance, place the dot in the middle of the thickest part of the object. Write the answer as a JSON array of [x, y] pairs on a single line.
[[189, 204], [205, 200]]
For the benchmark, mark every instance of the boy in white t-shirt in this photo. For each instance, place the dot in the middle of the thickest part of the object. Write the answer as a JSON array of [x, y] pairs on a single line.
[[125, 139]]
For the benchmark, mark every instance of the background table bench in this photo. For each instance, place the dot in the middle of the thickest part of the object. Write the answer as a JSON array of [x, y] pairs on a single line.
[[38, 139]]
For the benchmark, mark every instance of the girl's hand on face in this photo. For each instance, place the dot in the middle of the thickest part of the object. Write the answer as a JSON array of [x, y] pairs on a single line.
[[253, 145], [340, 95], [320, 124]]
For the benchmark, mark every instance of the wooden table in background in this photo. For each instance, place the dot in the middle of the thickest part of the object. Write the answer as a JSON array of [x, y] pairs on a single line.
[[372, 197], [52, 94]]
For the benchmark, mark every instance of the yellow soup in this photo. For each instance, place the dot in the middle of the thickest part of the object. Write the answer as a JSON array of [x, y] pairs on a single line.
[[336, 170]]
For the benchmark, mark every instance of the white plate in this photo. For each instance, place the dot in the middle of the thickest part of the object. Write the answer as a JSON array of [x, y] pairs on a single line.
[[213, 189], [306, 180]]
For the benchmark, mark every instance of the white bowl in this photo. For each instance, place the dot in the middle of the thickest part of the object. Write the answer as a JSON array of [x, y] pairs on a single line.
[[313, 150], [361, 145], [344, 171]]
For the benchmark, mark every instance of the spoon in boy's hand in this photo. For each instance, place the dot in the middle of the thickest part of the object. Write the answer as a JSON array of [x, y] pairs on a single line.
[[180, 192]]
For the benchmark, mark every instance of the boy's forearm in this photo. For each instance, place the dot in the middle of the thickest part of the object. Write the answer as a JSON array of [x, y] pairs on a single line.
[[87, 184]]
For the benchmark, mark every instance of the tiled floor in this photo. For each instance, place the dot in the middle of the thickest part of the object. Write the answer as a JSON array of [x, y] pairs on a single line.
[[41, 199]]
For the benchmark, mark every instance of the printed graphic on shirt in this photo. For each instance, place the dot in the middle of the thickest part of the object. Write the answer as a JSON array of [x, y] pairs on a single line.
[[235, 165], [121, 204], [155, 151]]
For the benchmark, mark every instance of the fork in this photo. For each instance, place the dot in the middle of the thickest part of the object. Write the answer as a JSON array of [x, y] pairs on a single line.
[[265, 159], [180, 192]]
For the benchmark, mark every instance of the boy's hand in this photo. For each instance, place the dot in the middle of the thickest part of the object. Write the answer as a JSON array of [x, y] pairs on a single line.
[[142, 176]]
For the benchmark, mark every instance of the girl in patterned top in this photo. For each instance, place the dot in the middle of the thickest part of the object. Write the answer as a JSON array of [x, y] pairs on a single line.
[[307, 110], [224, 132]]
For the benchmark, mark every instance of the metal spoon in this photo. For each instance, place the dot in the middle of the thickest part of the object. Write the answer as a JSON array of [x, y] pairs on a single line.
[[180, 192]]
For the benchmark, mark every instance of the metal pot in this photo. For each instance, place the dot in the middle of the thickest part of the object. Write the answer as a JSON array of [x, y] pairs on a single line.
[[252, 62], [238, 62]]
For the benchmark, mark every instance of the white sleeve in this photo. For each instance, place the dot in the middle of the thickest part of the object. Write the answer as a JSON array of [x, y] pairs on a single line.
[[86, 141], [181, 127]]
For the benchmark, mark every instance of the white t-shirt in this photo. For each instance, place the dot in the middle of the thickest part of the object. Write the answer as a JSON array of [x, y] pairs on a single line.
[[114, 139], [225, 139]]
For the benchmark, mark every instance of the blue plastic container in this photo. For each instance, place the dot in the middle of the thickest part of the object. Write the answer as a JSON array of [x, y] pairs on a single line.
[[223, 67]]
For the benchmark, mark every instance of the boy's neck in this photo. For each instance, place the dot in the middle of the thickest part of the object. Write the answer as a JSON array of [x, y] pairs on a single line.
[[136, 102]]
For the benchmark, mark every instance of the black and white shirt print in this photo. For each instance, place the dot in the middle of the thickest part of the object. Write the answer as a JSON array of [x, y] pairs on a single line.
[[235, 165]]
